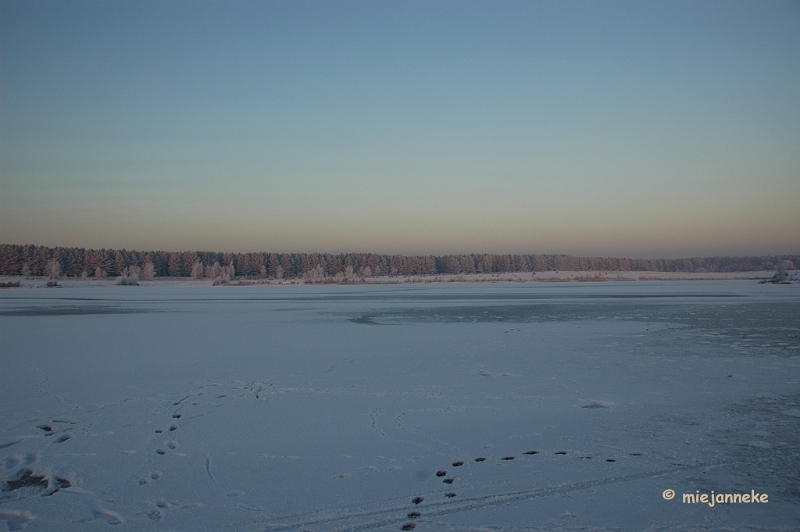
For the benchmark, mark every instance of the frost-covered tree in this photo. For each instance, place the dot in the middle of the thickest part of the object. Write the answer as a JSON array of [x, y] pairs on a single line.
[[53, 269], [175, 265], [197, 270], [213, 271], [148, 271]]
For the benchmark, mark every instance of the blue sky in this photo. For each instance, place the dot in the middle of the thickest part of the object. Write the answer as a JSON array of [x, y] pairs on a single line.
[[651, 129]]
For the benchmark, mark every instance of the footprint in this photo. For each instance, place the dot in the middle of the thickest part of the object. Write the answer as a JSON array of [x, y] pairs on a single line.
[[449, 494], [480, 459], [112, 518], [176, 416], [448, 481], [173, 427], [507, 458], [46, 428], [16, 520], [31, 457], [155, 475], [441, 473], [413, 515], [531, 452], [173, 444], [161, 451], [417, 500], [610, 460], [408, 526], [458, 463], [11, 462], [26, 478], [63, 438], [561, 452]]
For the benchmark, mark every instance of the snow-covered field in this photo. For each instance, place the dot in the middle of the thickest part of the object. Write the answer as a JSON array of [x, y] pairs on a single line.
[[566, 406]]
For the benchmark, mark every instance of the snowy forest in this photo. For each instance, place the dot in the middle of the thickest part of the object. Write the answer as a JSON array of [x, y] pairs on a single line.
[[31, 260]]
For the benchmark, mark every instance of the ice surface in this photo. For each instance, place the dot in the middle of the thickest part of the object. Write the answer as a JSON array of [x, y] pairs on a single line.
[[569, 406]]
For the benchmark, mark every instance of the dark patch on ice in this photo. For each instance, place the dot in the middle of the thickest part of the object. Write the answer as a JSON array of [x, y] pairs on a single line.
[[408, 526], [366, 320], [449, 494], [417, 500], [26, 479], [596, 404], [441, 473], [448, 481], [413, 515], [458, 463]]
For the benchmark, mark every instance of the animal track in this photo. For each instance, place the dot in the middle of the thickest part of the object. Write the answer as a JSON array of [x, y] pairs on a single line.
[[62, 438], [458, 463]]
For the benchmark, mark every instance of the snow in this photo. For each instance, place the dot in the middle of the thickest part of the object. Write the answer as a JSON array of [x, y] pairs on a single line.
[[178, 406]]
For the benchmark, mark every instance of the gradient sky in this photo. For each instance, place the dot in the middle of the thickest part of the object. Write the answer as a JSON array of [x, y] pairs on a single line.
[[642, 129]]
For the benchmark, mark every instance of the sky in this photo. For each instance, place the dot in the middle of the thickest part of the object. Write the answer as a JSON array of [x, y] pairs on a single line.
[[635, 128]]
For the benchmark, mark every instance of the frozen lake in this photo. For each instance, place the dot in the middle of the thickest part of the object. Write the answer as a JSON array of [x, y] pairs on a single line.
[[563, 406]]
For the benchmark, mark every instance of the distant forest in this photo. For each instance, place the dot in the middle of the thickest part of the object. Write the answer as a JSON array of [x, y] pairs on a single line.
[[100, 263]]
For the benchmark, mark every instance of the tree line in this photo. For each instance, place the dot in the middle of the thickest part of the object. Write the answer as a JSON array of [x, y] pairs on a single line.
[[98, 263]]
